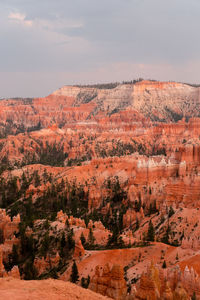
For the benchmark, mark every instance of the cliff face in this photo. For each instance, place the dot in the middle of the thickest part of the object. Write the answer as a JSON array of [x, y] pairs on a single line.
[[144, 100], [153, 99]]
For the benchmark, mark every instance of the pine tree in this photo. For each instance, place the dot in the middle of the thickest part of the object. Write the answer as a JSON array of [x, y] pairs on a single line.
[[137, 224], [36, 179], [15, 256], [30, 272], [1, 237], [83, 240], [62, 245], [70, 240], [74, 274], [85, 282], [194, 296], [165, 238], [45, 245], [29, 212], [46, 224], [164, 265], [67, 224], [45, 176], [151, 232], [171, 211], [91, 237], [63, 241]]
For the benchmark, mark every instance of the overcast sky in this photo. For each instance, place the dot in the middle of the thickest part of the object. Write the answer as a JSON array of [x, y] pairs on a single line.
[[45, 44]]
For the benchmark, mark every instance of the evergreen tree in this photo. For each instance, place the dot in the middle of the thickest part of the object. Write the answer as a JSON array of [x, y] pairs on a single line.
[[23, 238], [15, 256], [30, 271], [171, 211], [74, 274], [138, 205], [83, 240], [151, 232], [46, 224], [1, 237], [164, 265], [63, 241], [154, 207], [67, 224], [85, 282], [29, 216], [150, 209], [91, 238], [62, 245], [70, 240], [137, 224], [194, 296], [165, 238], [45, 245], [36, 179], [120, 242]]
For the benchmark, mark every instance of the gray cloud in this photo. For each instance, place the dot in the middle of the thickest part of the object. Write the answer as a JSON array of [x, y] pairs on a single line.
[[84, 37]]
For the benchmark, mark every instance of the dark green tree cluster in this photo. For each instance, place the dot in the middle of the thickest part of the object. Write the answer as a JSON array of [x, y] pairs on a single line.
[[51, 154], [69, 197], [67, 244], [152, 208], [25, 255], [117, 193], [115, 240]]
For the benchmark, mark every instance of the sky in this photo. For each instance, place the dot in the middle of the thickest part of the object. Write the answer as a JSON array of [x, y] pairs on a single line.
[[45, 44]]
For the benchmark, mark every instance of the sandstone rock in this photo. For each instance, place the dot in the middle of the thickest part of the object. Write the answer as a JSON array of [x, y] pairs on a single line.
[[7, 226], [110, 283], [180, 293], [167, 294], [44, 264], [79, 250], [14, 272], [2, 269]]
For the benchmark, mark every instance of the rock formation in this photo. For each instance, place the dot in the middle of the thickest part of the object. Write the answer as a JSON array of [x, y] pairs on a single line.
[[180, 293], [79, 251], [106, 160], [7, 226], [150, 285], [43, 265], [174, 285], [109, 283], [14, 271]]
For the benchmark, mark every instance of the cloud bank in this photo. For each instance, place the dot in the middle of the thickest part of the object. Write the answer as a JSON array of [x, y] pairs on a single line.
[[45, 44]]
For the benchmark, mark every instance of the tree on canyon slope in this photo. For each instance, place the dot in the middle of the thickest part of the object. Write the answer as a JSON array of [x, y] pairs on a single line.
[[151, 232], [74, 274]]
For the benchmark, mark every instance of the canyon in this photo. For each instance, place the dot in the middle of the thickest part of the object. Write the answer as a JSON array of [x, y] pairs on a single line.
[[100, 185]]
